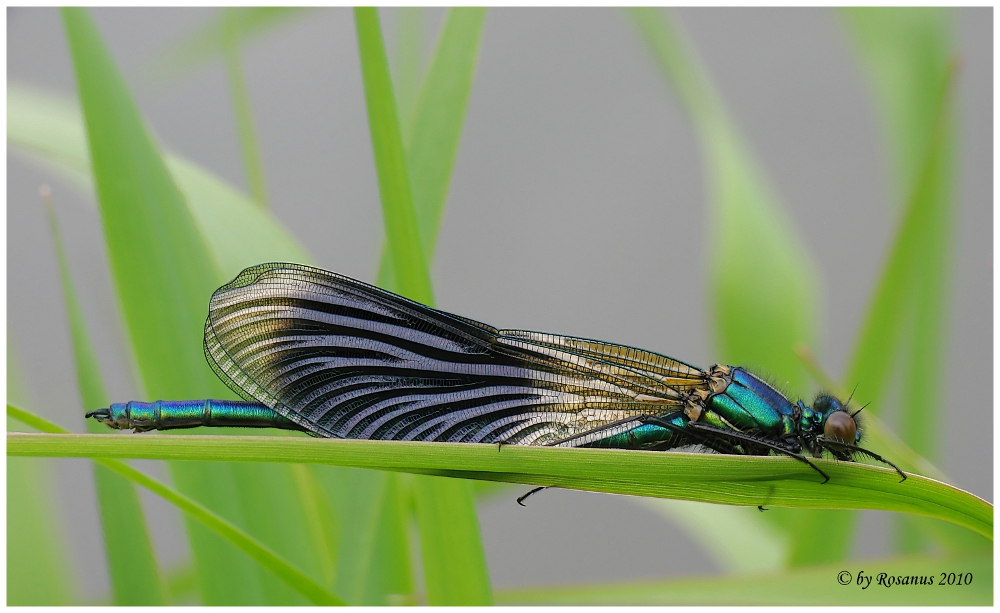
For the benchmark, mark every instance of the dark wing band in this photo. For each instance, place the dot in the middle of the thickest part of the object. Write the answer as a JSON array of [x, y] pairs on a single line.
[[343, 358]]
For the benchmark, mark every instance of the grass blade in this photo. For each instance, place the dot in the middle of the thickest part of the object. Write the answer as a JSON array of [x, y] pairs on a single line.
[[159, 267], [903, 51], [145, 222], [720, 479], [908, 54], [38, 571], [126, 541], [288, 573], [237, 233], [763, 280], [455, 573], [763, 283], [438, 118], [163, 274], [208, 41], [406, 63], [441, 506], [746, 530], [407, 254], [816, 586], [252, 165], [321, 519], [374, 565]]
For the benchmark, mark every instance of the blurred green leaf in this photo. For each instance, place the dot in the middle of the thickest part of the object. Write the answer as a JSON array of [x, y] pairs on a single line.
[[918, 244], [181, 585], [126, 541], [219, 525], [438, 118], [406, 61], [746, 531], [904, 52], [908, 54], [252, 165], [455, 566], [816, 586], [38, 569], [454, 569], [236, 232], [208, 41], [375, 563], [409, 263], [322, 519], [763, 283], [37, 561], [763, 280], [454, 572], [716, 478], [164, 275]]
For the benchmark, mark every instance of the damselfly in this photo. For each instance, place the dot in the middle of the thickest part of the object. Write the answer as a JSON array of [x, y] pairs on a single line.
[[316, 351]]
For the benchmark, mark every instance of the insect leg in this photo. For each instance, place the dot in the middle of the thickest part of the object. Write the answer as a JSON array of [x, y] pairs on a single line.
[[607, 426], [520, 500], [862, 451], [761, 506], [714, 444], [763, 443]]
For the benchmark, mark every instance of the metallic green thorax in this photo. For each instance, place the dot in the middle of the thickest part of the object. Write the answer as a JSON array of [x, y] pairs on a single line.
[[749, 403]]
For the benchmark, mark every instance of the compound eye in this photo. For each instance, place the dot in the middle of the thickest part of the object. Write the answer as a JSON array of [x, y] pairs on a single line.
[[840, 427]]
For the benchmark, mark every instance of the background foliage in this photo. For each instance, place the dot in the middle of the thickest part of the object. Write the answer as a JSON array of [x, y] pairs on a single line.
[[174, 231]]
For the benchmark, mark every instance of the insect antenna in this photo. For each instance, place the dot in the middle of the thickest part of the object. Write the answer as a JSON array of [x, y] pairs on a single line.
[[849, 398], [859, 410]]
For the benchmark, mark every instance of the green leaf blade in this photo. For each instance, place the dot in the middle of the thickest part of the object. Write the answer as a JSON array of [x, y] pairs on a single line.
[[409, 263], [208, 41], [816, 586], [156, 255], [164, 275], [126, 540], [763, 284], [908, 54], [438, 118], [720, 479], [219, 525], [236, 233], [454, 573], [158, 264], [441, 507], [374, 566]]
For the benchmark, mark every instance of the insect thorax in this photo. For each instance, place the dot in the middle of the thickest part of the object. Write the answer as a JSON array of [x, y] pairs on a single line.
[[736, 399]]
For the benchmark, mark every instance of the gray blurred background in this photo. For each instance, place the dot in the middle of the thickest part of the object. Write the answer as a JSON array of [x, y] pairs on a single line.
[[577, 206]]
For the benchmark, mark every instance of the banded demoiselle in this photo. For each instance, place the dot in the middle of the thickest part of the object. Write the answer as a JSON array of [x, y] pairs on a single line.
[[316, 351]]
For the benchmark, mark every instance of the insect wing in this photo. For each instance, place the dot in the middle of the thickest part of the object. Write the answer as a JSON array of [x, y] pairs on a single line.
[[343, 358]]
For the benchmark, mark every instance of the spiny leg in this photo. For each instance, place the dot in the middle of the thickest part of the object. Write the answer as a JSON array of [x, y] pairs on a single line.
[[520, 500], [763, 443], [761, 507], [607, 426], [713, 444], [871, 454]]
